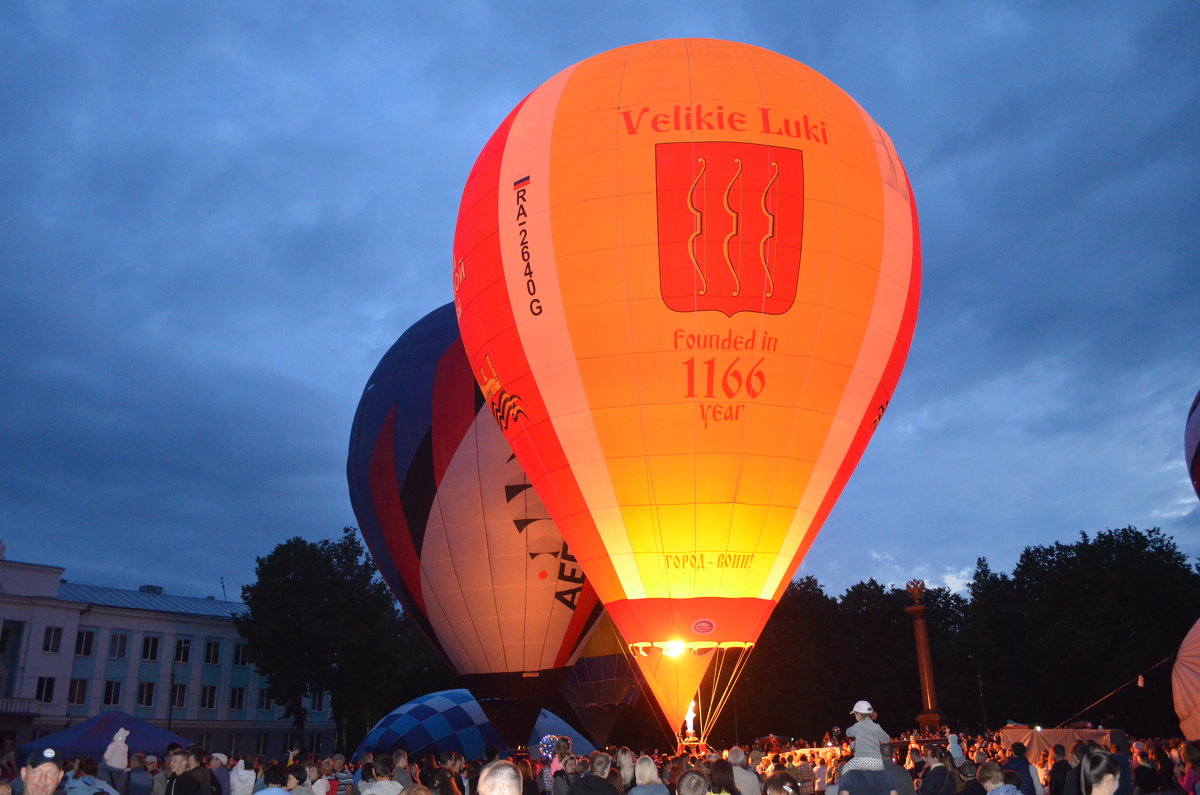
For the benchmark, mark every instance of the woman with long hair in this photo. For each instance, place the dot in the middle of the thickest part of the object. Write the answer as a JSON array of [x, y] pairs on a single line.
[[1190, 755], [720, 778], [646, 778]]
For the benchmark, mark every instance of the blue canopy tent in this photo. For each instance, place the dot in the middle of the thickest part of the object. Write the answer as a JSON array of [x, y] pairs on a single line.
[[92, 736]]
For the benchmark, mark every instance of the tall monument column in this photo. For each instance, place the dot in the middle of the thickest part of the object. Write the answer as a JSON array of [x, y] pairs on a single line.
[[931, 716]]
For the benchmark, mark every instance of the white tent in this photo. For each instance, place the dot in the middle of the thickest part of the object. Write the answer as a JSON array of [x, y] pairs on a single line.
[[1185, 684]]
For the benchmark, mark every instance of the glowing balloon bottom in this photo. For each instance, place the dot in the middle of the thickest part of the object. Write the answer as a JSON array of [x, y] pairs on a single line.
[[691, 649]]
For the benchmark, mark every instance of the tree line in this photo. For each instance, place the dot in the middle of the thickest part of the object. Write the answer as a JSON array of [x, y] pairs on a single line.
[[1070, 624]]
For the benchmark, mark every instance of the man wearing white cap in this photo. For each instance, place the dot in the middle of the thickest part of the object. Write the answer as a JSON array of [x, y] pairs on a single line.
[[42, 772], [867, 736]]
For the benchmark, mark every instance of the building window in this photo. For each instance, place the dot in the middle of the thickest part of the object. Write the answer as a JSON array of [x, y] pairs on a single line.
[[52, 640], [235, 743], [150, 648], [206, 739], [208, 697], [45, 689], [264, 702], [260, 742], [183, 650], [112, 692], [145, 694], [241, 654], [77, 691], [314, 743], [237, 698], [117, 646], [318, 701], [83, 642], [178, 696], [212, 653]]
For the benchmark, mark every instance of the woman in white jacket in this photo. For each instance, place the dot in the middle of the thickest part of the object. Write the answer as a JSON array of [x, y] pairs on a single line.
[[241, 780]]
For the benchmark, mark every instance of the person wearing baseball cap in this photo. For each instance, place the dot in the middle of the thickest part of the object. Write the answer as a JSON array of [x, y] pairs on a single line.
[[867, 736], [42, 772]]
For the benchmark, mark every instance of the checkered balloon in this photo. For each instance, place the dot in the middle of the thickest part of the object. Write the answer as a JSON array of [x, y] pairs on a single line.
[[449, 720]]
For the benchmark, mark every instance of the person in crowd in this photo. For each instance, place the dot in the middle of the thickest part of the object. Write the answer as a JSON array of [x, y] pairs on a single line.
[[114, 768], [297, 780], [42, 772], [501, 777], [1099, 774], [805, 776], [242, 779], [140, 779], [901, 781], [746, 779], [691, 782], [416, 789], [84, 779], [275, 776], [937, 778], [1190, 756], [864, 781], [528, 784], [445, 782], [595, 781], [400, 772], [316, 781], [646, 778], [342, 775], [821, 772], [1057, 778], [565, 776], [196, 778], [781, 783], [1031, 783], [867, 736], [992, 778], [625, 761], [218, 766], [720, 778]]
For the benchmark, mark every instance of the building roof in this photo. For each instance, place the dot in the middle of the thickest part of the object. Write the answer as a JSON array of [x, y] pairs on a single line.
[[157, 602]]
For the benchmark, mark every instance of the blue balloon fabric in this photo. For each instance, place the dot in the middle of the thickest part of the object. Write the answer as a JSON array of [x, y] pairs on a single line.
[[549, 723], [449, 720]]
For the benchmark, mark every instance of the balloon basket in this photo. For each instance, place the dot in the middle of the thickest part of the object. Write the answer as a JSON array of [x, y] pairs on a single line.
[[691, 744]]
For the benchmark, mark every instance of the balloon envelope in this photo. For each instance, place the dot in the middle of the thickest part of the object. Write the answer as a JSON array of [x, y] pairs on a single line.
[[1185, 684], [1191, 444], [449, 720], [455, 528], [687, 273]]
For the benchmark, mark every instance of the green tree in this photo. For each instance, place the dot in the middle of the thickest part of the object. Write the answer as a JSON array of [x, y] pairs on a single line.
[[1076, 621], [318, 619]]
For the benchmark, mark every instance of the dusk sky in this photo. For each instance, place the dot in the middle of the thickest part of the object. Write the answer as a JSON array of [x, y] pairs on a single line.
[[216, 217]]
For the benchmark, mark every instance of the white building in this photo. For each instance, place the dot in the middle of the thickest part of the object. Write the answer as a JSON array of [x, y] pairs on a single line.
[[69, 652]]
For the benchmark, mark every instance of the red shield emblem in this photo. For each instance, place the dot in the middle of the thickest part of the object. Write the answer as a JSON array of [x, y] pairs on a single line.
[[730, 223]]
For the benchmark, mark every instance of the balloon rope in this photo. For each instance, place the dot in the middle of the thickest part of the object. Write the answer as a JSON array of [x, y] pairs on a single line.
[[645, 691], [1114, 692], [738, 669]]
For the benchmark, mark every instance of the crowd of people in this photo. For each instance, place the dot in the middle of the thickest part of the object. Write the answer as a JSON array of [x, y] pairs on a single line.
[[865, 762]]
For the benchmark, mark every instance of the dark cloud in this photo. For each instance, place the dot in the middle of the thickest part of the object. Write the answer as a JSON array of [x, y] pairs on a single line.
[[215, 218]]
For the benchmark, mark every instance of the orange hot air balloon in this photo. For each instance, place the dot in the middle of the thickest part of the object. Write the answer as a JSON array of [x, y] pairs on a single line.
[[687, 275]]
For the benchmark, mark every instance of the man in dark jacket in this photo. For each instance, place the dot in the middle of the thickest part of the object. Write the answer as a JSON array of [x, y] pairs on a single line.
[[196, 778], [1019, 764], [1059, 770], [595, 781]]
